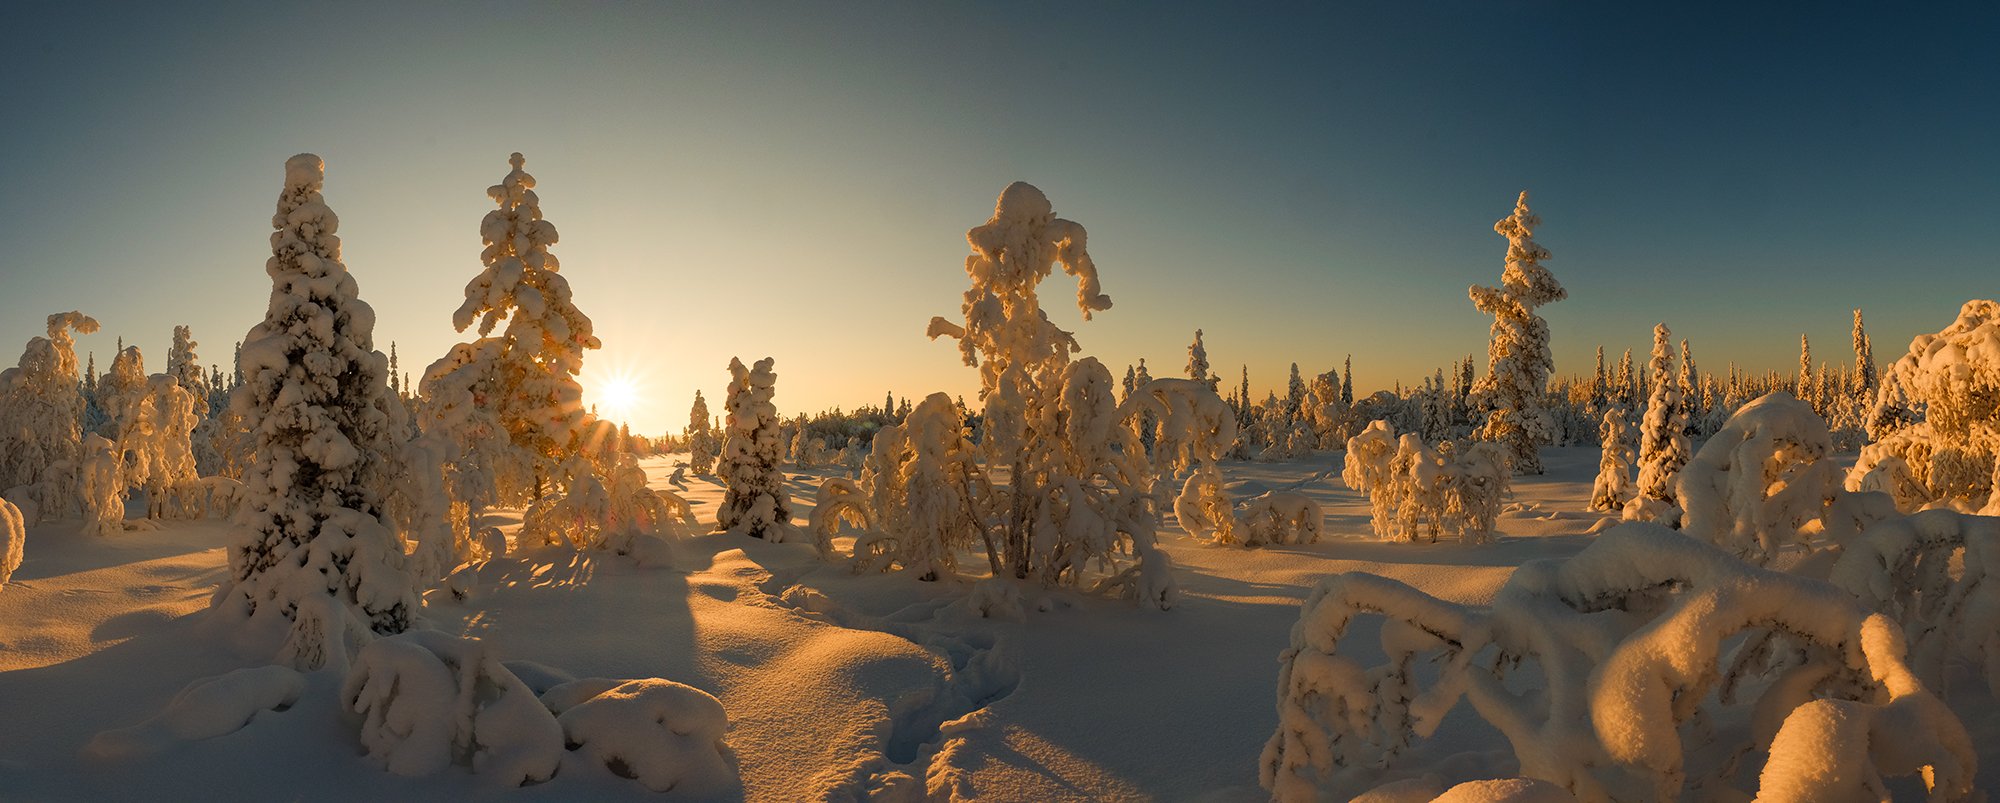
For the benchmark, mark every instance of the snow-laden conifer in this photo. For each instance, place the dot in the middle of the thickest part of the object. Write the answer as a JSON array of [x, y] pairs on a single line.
[[756, 503], [1613, 487], [529, 369], [1663, 442], [42, 412], [1518, 360], [703, 444], [318, 550]]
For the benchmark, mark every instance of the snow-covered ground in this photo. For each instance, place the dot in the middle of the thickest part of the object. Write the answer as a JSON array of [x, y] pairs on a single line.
[[837, 685]]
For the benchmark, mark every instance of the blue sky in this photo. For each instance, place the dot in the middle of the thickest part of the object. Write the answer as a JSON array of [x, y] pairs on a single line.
[[794, 180]]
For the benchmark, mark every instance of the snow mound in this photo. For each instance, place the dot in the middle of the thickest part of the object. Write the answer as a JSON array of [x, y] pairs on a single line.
[[207, 708], [665, 735], [1506, 790]]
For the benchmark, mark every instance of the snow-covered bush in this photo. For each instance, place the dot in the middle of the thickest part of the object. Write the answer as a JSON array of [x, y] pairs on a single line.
[[318, 550], [1625, 642], [1613, 487], [926, 494], [1366, 470], [101, 487], [838, 504], [1191, 424], [756, 503], [1518, 361], [1760, 479], [1282, 517], [1415, 490], [1204, 508], [13, 539], [1904, 567], [1663, 441], [1079, 490], [428, 700], [1938, 410]]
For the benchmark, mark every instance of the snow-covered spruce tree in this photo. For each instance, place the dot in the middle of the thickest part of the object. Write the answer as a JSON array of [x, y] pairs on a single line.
[[1864, 359], [13, 540], [1629, 717], [1518, 361], [532, 366], [703, 445], [1663, 442], [1197, 367], [1938, 412], [1077, 488], [756, 503], [42, 417], [315, 397], [1613, 487], [185, 367]]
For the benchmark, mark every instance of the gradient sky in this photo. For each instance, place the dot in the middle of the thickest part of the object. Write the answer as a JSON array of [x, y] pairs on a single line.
[[795, 180]]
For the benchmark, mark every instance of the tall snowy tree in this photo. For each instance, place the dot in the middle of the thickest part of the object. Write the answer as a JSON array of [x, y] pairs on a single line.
[[1803, 389], [1197, 367], [530, 368], [756, 503], [42, 407], [1663, 442], [1864, 359], [1518, 361], [1078, 490], [703, 445], [1346, 381], [1295, 393], [185, 367], [319, 550]]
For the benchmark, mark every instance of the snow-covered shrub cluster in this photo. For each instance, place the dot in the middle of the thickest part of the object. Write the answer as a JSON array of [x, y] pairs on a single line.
[[318, 550], [756, 503], [1937, 573], [1935, 428], [1281, 517], [926, 495], [1518, 361], [1628, 641], [1453, 491]]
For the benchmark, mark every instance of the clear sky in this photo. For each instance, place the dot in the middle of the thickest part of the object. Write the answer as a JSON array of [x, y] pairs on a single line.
[[795, 180]]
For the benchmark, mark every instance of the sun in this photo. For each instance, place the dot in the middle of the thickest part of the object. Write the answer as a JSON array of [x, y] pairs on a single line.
[[615, 397]]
